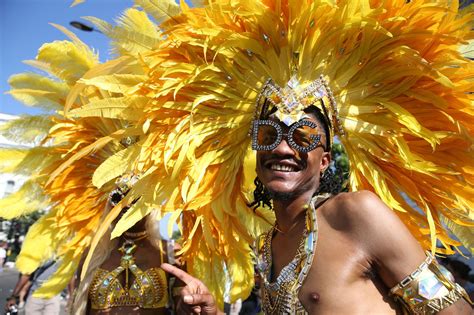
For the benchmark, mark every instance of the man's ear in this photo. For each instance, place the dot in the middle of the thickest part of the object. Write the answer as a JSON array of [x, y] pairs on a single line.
[[325, 161]]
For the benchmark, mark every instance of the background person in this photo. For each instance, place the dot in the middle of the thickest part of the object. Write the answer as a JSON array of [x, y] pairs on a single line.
[[35, 305], [124, 274]]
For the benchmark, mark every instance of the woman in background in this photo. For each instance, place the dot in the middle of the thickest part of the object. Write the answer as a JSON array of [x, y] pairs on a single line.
[[124, 274]]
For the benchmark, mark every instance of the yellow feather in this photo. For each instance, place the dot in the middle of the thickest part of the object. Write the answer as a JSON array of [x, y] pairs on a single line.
[[117, 83], [29, 198], [39, 245], [26, 129], [11, 158], [464, 233], [133, 34], [80, 45], [89, 149], [66, 61], [126, 108], [36, 90], [114, 166], [160, 10]]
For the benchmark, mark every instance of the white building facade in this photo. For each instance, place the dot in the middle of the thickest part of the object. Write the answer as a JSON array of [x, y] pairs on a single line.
[[9, 182]]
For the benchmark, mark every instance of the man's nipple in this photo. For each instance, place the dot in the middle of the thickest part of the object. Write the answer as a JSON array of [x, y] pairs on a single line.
[[314, 297]]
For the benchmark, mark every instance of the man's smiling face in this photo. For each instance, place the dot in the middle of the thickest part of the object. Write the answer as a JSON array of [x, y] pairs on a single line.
[[288, 173]]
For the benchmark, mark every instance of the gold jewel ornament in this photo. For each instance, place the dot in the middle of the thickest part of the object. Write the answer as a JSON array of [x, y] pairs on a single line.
[[429, 289], [123, 184]]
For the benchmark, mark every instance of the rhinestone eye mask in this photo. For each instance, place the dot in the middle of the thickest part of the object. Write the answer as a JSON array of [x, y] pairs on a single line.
[[302, 136]]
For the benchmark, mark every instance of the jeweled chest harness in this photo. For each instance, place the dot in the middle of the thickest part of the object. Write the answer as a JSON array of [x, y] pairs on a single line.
[[281, 296]]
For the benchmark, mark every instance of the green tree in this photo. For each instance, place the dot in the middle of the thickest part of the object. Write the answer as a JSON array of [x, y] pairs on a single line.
[[340, 165]]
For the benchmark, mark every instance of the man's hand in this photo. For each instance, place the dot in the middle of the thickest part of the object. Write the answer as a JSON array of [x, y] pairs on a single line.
[[195, 297]]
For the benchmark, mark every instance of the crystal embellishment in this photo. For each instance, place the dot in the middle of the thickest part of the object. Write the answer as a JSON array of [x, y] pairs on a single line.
[[429, 287]]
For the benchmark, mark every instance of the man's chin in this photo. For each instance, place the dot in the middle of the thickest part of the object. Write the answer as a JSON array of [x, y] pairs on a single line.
[[282, 195], [287, 192]]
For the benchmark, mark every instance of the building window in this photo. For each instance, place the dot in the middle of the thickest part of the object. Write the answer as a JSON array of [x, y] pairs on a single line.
[[10, 187]]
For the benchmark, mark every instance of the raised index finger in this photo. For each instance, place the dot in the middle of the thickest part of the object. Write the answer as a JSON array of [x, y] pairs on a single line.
[[178, 273]]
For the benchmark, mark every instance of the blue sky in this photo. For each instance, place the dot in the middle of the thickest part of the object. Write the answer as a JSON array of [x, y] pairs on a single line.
[[24, 27]]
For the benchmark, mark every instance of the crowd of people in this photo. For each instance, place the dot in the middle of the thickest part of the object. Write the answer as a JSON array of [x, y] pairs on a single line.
[[224, 115]]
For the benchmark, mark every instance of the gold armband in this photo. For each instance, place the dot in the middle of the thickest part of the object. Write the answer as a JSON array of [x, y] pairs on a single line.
[[429, 289]]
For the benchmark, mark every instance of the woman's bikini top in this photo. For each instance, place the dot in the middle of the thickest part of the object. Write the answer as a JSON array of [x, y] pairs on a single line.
[[148, 290]]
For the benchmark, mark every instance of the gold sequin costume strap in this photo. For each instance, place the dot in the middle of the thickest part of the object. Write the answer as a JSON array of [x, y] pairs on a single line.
[[148, 290]]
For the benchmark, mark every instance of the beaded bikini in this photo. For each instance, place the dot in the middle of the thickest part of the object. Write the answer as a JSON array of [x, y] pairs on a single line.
[[148, 290]]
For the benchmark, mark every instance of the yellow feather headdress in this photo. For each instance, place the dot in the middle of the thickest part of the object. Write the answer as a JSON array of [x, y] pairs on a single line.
[[188, 88], [404, 97]]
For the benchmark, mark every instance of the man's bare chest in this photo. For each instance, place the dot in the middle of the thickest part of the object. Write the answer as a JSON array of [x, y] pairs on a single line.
[[342, 279]]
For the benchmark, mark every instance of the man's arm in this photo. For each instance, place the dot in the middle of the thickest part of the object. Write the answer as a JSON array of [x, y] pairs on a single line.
[[388, 242]]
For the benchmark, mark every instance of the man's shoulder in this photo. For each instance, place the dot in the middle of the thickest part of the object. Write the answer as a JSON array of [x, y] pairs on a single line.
[[355, 204], [360, 209], [366, 220]]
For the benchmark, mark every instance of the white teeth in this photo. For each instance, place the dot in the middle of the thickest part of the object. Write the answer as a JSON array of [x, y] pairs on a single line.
[[282, 168]]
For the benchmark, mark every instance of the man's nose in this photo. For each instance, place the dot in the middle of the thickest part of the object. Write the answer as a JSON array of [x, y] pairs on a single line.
[[284, 148]]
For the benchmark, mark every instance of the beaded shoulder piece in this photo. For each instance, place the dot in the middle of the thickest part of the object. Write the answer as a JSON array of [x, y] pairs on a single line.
[[148, 290], [281, 296]]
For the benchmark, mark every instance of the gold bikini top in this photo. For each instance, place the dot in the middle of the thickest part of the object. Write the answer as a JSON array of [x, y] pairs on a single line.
[[148, 290]]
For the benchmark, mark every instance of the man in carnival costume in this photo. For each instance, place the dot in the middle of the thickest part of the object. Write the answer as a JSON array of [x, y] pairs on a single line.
[[363, 247], [213, 83]]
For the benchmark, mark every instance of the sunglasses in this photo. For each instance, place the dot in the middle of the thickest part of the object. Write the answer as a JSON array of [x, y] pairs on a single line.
[[302, 136]]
